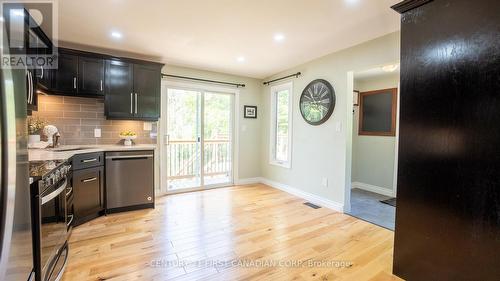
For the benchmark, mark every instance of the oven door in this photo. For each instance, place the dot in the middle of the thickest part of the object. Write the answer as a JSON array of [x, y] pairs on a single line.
[[53, 225]]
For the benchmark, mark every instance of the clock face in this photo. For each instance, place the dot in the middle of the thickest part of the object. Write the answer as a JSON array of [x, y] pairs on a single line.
[[317, 102]]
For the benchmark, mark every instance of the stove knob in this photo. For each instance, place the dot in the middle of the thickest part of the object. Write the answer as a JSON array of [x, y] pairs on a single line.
[[48, 181]]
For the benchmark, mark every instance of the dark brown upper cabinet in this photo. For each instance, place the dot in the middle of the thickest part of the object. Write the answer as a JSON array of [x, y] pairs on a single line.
[[78, 74], [44, 78], [90, 76], [65, 80], [119, 99], [132, 90], [130, 87], [147, 81]]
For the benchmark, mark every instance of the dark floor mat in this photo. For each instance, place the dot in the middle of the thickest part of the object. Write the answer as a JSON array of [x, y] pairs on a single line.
[[390, 201]]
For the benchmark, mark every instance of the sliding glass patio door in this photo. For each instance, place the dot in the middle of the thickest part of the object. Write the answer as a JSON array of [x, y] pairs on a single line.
[[217, 136], [183, 139], [198, 140]]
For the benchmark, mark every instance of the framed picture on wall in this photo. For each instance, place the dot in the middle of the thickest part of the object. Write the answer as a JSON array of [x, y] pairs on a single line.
[[377, 112], [250, 111]]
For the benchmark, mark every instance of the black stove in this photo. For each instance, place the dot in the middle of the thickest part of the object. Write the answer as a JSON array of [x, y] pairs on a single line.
[[52, 216], [41, 169]]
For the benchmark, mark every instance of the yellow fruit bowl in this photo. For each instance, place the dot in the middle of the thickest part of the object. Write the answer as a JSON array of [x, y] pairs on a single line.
[[127, 140]]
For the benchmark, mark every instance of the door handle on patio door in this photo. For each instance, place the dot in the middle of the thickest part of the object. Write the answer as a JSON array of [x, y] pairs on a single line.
[[167, 139]]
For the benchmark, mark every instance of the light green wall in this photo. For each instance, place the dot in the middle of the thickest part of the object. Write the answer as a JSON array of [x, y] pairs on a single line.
[[373, 156], [249, 129], [321, 151]]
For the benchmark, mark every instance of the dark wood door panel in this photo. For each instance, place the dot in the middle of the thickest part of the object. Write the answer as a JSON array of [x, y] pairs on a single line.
[[119, 99], [448, 193], [91, 76]]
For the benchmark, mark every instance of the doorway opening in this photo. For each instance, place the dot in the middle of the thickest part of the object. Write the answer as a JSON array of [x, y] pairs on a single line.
[[198, 146], [375, 118]]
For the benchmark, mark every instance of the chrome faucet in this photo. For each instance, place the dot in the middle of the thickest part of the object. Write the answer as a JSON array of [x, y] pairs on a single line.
[[55, 139]]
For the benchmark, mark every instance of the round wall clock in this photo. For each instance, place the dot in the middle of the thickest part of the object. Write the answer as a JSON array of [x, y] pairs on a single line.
[[317, 102]]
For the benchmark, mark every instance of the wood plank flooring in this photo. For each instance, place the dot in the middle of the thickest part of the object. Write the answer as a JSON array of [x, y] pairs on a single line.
[[237, 233]]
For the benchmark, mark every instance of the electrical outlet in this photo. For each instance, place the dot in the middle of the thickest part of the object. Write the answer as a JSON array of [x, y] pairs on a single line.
[[147, 126], [324, 182], [97, 133]]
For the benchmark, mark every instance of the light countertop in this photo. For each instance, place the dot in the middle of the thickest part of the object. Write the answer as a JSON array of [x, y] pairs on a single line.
[[54, 154]]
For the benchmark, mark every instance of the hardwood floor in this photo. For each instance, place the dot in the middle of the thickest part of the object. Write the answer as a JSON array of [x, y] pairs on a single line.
[[235, 228]]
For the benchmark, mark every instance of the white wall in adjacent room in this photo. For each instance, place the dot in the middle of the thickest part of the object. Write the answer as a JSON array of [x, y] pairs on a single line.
[[373, 156]]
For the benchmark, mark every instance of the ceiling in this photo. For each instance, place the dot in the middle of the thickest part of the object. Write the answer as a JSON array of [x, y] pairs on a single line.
[[231, 36], [377, 72]]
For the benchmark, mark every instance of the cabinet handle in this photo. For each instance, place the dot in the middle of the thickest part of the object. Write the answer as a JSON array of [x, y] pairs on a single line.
[[68, 193], [135, 103], [89, 180], [28, 77], [41, 76], [74, 82], [31, 87], [101, 85], [131, 103], [89, 160], [70, 220]]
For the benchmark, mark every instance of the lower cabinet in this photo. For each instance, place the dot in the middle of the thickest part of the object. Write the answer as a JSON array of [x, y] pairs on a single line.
[[121, 181], [88, 189]]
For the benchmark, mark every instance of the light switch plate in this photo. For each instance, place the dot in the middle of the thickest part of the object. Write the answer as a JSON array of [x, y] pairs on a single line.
[[338, 127], [97, 133], [324, 182]]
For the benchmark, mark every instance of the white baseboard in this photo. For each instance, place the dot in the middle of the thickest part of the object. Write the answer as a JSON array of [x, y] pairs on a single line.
[[315, 199], [248, 181], [372, 188]]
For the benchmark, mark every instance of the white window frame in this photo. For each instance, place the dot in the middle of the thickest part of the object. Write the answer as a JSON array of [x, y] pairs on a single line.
[[272, 140]]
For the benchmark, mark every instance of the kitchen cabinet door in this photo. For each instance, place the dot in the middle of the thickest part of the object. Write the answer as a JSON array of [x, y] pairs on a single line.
[[66, 76], [44, 77], [90, 76], [147, 80], [119, 98], [88, 190]]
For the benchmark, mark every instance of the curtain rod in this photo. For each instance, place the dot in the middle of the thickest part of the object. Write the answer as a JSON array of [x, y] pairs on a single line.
[[237, 85], [296, 75]]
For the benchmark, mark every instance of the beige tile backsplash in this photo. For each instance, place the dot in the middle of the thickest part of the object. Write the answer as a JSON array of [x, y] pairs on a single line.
[[76, 119]]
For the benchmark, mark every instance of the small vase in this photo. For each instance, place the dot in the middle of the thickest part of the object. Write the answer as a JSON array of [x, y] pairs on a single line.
[[32, 139]]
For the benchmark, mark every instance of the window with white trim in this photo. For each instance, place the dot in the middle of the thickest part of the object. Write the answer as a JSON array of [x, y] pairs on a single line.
[[281, 125]]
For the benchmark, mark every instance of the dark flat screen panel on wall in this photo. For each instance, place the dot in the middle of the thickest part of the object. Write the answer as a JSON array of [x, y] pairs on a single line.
[[377, 115]]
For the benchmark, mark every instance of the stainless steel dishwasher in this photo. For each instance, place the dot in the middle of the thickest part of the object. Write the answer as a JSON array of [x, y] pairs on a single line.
[[129, 180]]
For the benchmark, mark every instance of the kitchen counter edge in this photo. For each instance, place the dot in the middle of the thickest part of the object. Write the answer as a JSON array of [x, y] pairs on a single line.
[[45, 154]]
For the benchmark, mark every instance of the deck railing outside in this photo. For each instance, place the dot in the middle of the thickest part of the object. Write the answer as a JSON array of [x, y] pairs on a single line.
[[184, 158]]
